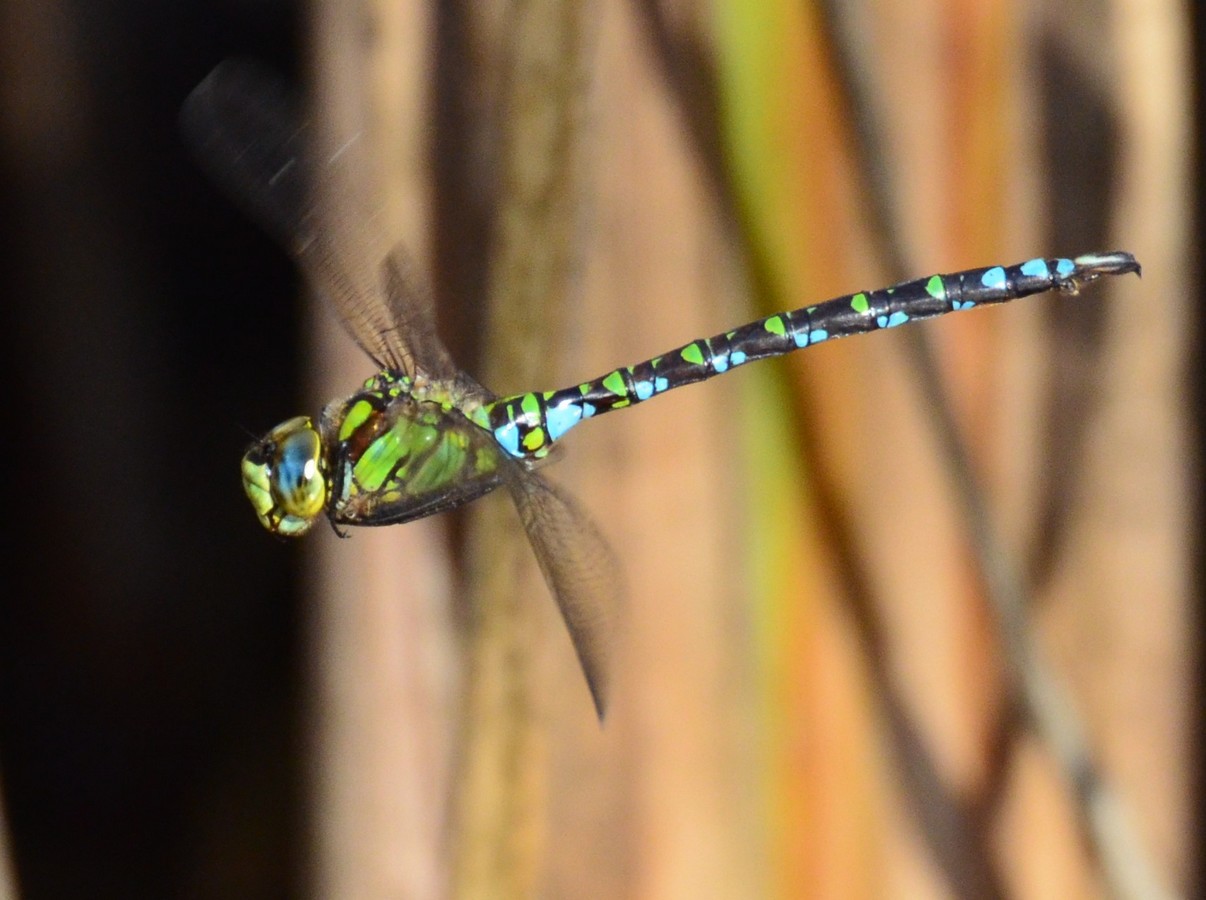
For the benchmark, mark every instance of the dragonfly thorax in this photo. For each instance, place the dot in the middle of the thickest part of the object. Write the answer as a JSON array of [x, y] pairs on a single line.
[[284, 477], [401, 449]]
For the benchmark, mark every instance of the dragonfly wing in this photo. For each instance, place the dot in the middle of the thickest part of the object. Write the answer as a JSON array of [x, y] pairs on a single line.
[[314, 195], [581, 571], [411, 316]]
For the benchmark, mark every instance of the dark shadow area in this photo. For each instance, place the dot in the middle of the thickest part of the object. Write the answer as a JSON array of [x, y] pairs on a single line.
[[149, 724]]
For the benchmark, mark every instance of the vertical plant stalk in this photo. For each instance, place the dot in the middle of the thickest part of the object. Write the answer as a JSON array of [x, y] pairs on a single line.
[[499, 807], [383, 644]]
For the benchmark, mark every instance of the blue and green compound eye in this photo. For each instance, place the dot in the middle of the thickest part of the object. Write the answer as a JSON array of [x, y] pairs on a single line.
[[283, 478]]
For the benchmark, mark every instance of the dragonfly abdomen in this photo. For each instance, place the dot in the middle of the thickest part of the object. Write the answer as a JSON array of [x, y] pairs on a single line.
[[527, 425]]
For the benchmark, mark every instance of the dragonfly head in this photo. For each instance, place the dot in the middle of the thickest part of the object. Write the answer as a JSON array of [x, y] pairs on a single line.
[[283, 477]]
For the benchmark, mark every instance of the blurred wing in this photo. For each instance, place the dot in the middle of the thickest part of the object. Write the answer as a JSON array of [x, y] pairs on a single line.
[[315, 197], [581, 570]]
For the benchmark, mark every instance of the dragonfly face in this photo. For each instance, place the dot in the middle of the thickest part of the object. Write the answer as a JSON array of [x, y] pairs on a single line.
[[283, 477]]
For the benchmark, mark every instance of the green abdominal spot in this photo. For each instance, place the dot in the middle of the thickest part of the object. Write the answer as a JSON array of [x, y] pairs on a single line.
[[614, 382]]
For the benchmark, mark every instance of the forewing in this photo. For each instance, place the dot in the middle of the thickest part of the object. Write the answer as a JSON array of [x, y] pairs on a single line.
[[581, 571], [314, 194]]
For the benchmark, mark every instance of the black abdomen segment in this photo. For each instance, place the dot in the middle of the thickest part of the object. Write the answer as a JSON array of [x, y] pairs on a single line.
[[526, 425]]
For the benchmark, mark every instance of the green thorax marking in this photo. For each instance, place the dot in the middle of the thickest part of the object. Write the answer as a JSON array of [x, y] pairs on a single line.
[[354, 416], [395, 448]]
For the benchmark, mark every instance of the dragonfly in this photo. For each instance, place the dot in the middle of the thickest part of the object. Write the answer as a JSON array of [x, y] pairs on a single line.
[[422, 436]]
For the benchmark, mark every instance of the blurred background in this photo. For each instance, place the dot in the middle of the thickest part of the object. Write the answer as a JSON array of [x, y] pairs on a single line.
[[823, 689]]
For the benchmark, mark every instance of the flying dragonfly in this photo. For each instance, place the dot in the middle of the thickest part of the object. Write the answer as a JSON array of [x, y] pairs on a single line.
[[422, 436]]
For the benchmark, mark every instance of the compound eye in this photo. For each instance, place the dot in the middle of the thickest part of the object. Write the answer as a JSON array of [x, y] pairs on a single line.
[[283, 477]]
